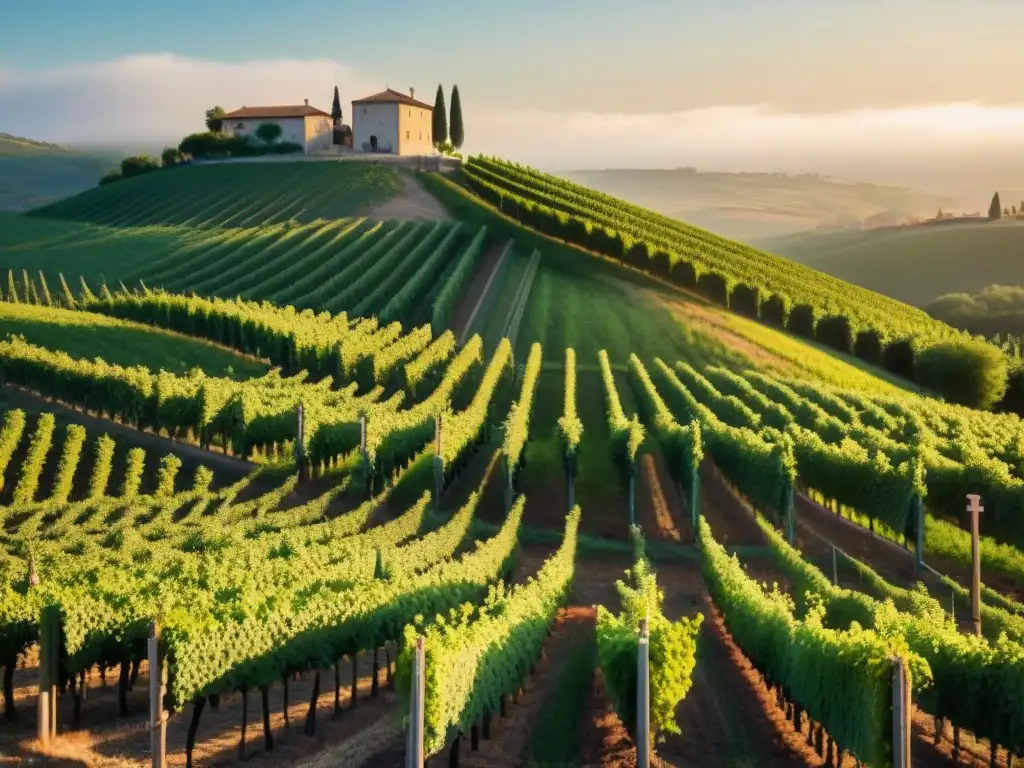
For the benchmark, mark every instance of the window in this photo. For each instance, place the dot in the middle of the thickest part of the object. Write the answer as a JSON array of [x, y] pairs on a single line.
[[240, 127], [410, 113], [407, 134], [421, 135], [364, 110]]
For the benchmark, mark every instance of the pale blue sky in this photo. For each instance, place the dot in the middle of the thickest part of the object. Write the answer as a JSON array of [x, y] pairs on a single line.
[[640, 56], [790, 84]]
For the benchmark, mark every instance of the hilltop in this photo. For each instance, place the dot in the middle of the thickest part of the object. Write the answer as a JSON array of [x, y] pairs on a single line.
[[917, 263], [747, 206], [34, 173]]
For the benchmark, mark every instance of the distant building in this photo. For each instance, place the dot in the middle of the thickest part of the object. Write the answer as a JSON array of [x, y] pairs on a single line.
[[307, 126], [392, 122]]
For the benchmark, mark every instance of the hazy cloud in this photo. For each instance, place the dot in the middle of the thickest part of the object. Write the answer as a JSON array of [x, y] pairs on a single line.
[[159, 98]]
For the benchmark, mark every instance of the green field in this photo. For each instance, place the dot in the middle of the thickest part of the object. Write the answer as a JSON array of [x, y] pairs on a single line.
[[918, 263], [36, 173]]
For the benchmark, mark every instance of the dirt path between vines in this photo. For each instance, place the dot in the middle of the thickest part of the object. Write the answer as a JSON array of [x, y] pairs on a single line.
[[411, 203], [480, 284], [925, 754]]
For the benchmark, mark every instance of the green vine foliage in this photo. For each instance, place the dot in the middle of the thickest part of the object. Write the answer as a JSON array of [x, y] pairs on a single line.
[[476, 656], [32, 466], [133, 473], [74, 439], [570, 426], [627, 435], [166, 475], [673, 649], [10, 437], [841, 678]]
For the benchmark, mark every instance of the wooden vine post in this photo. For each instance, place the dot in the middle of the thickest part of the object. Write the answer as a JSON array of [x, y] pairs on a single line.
[[438, 462], [157, 689], [300, 443], [414, 734], [901, 705], [643, 698], [570, 477], [835, 568], [509, 485], [631, 489], [49, 648], [694, 499], [975, 509], [365, 456], [787, 512], [917, 506]]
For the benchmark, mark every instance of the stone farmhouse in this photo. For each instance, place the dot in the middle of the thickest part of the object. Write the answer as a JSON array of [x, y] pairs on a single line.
[[392, 122], [307, 126]]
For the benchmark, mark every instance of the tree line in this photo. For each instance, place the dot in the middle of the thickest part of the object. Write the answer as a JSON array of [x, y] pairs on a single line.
[[447, 130]]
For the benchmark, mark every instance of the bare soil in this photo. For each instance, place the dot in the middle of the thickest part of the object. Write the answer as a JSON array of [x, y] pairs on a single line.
[[411, 203], [104, 739]]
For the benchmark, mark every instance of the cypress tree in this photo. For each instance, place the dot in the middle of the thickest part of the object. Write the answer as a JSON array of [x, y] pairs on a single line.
[[12, 290], [336, 107], [458, 132], [439, 124], [995, 210]]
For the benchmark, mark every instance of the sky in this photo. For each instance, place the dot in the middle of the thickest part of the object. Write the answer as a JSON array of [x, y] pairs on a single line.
[[886, 88]]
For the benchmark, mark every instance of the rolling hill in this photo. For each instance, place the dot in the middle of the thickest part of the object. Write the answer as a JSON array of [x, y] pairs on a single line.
[[33, 173], [753, 206], [915, 264], [487, 376]]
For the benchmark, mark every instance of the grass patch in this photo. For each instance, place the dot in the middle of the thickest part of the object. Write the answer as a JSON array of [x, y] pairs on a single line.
[[555, 739]]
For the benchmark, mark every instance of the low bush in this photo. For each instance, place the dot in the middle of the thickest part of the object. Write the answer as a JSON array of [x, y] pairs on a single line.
[[965, 371]]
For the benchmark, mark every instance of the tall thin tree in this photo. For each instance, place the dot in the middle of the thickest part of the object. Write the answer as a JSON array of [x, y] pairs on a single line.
[[995, 210], [458, 132], [336, 108], [439, 121]]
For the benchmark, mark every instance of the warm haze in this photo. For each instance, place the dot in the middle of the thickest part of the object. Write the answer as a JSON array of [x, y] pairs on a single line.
[[891, 92]]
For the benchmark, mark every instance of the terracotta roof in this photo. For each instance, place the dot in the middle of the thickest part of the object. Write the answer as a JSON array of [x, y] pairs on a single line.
[[300, 110], [391, 96]]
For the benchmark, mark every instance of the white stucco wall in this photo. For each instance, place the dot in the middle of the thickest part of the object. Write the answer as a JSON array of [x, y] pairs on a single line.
[[414, 125], [380, 120], [292, 128], [319, 133]]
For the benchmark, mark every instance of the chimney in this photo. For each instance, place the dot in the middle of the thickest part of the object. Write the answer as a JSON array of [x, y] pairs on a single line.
[[412, 93], [307, 102]]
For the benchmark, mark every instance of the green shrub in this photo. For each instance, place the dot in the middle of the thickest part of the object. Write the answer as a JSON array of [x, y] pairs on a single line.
[[136, 165], [171, 156], [673, 649], [803, 319], [268, 133], [868, 346], [775, 310], [967, 372], [111, 176], [898, 357], [835, 331]]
